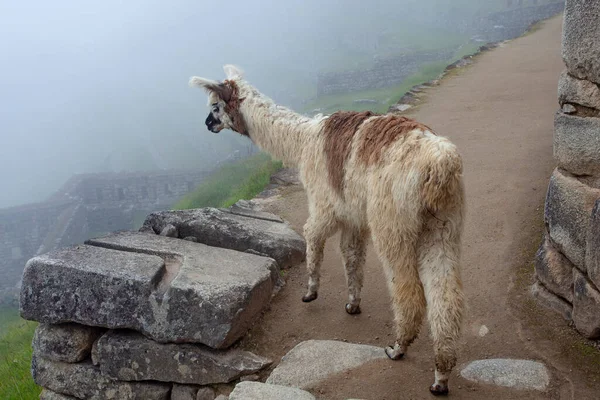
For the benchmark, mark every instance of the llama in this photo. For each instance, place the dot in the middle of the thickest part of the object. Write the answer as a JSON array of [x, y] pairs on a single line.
[[386, 177]]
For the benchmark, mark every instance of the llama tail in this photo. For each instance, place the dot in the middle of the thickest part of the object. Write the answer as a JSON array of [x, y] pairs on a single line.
[[442, 185]]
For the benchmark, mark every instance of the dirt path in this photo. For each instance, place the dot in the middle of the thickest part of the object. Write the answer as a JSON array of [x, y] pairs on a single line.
[[499, 112]]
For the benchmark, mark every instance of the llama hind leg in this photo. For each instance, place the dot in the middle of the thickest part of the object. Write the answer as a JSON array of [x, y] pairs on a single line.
[[439, 267], [316, 231], [353, 248], [406, 291]]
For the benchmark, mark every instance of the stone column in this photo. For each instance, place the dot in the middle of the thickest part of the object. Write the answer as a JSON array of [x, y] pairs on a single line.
[[568, 262]]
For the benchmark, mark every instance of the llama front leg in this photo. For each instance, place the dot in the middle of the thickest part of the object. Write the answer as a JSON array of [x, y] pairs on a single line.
[[353, 255], [316, 231]]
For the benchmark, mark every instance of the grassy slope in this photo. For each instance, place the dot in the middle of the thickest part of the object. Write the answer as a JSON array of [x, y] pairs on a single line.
[[242, 180], [15, 357]]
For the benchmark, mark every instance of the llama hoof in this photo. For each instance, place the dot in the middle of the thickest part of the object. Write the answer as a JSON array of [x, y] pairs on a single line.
[[310, 297], [353, 309], [394, 353], [439, 389]]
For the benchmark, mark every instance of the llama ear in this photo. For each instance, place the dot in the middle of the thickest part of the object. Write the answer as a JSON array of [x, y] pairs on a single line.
[[206, 84], [221, 90], [233, 72]]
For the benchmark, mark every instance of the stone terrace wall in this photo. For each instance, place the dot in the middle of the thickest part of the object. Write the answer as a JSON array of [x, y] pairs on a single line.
[[139, 315], [505, 25], [384, 73], [568, 261]]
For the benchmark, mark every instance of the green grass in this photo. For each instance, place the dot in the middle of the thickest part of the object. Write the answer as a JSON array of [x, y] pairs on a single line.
[[242, 180], [15, 357]]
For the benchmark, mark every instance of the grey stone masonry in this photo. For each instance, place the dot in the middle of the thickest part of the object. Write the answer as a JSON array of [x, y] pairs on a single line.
[[581, 39], [129, 356], [265, 391], [577, 144], [85, 381], [169, 289], [569, 204], [237, 228], [65, 342], [572, 216], [578, 91], [586, 306]]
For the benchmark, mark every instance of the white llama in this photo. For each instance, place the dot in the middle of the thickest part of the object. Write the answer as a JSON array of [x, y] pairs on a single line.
[[383, 176]]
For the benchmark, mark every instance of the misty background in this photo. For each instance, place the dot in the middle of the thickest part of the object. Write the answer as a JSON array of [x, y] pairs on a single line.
[[102, 86]]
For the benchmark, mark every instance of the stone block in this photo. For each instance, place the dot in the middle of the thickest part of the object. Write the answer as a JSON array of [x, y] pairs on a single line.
[[554, 270], [84, 381], [577, 144], [265, 391], [516, 374], [130, 356], [586, 306], [313, 361], [64, 342], [237, 229], [569, 204], [581, 39], [169, 289], [552, 301], [592, 253], [578, 91]]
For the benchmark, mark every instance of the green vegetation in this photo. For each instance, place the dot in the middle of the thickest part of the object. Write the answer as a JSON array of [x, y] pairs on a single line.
[[15, 357], [242, 180]]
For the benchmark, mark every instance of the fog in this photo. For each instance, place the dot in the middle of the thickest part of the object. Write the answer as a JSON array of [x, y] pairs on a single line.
[[102, 86]]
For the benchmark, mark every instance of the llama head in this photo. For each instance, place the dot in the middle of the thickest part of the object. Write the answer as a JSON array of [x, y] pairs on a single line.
[[224, 101]]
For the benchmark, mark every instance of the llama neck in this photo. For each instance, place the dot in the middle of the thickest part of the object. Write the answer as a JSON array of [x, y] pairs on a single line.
[[277, 130]]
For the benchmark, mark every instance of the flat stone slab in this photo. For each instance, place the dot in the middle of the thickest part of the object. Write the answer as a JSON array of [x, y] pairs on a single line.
[[169, 289], [265, 391], [313, 361], [84, 381], [237, 229], [130, 356], [65, 342], [516, 374]]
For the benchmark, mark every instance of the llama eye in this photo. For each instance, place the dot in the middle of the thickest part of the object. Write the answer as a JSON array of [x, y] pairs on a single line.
[[216, 109]]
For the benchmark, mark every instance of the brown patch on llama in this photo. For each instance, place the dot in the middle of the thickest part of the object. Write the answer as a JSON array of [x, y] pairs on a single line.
[[339, 131], [230, 93], [381, 132]]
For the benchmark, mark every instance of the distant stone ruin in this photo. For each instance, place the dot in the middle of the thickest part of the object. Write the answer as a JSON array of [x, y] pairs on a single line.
[[85, 206], [391, 71], [568, 261], [147, 315]]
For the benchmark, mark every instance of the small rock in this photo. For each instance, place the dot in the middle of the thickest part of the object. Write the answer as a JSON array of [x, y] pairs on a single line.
[[263, 391], [169, 231], [568, 108], [517, 374], [483, 331], [312, 361], [191, 239]]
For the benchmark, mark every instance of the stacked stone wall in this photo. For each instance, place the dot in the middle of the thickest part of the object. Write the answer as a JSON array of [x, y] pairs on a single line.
[[568, 261]]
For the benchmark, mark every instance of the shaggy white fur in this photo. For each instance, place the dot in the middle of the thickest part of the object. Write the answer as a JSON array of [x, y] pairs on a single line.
[[409, 201]]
